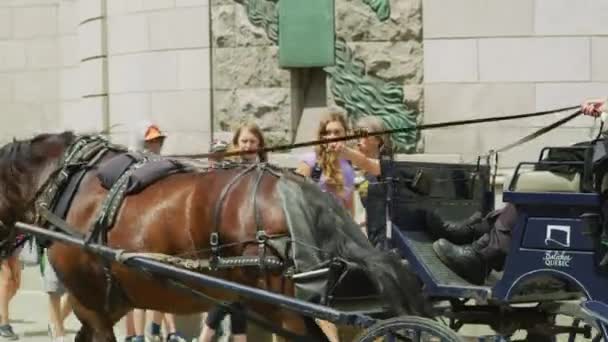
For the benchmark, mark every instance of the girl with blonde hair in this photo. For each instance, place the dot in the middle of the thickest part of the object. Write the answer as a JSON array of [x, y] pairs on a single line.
[[333, 174]]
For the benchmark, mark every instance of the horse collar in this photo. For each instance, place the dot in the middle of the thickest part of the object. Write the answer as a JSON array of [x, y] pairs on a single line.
[[84, 152]]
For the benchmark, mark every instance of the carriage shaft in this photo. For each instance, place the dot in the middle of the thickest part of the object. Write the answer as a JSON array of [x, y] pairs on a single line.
[[301, 307]]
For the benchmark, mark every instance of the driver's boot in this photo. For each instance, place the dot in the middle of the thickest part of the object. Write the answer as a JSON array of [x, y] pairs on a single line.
[[464, 232], [463, 260]]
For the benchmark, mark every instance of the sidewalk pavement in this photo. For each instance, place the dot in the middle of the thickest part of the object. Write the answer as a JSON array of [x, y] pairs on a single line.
[[29, 311], [29, 314]]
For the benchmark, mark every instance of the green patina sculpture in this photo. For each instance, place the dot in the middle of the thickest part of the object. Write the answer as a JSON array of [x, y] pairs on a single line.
[[352, 88], [362, 95], [381, 7], [264, 14]]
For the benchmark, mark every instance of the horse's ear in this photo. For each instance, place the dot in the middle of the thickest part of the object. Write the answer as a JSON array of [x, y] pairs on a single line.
[[68, 137], [50, 146]]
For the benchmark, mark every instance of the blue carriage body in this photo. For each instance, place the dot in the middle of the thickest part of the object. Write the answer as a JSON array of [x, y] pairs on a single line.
[[552, 256], [550, 239]]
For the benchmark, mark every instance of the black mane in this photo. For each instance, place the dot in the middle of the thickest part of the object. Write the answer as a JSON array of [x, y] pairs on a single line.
[[14, 152], [16, 180], [336, 231], [17, 151]]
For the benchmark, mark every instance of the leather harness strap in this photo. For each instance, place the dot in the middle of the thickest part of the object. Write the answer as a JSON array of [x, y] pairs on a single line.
[[263, 261]]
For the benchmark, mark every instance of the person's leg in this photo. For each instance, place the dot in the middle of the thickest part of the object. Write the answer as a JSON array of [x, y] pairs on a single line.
[[495, 247], [56, 325], [66, 307], [329, 329], [139, 325], [460, 233], [475, 261], [55, 290], [8, 288], [376, 234], [156, 319], [463, 260], [201, 336], [213, 320], [238, 323], [129, 327], [207, 333], [16, 270], [172, 333]]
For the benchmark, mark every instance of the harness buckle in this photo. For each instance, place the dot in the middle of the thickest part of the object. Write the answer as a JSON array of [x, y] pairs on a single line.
[[261, 237], [64, 173], [214, 239]]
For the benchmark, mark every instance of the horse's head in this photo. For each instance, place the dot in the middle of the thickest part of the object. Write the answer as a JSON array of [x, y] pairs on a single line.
[[24, 167]]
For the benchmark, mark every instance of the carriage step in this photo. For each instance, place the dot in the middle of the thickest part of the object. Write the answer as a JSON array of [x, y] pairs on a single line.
[[439, 280], [422, 247]]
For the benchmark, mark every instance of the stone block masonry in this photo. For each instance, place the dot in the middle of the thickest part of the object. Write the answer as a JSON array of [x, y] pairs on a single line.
[[491, 58]]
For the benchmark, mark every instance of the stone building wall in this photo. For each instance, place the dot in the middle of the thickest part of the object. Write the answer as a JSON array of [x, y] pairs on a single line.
[[248, 85], [91, 65], [95, 65], [490, 58], [158, 69], [38, 77], [378, 69], [98, 65], [385, 39]]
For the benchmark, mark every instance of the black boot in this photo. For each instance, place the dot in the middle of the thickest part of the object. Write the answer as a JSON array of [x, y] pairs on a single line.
[[463, 260], [464, 232]]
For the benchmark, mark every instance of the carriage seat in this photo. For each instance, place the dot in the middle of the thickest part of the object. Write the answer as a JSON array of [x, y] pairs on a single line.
[[547, 181]]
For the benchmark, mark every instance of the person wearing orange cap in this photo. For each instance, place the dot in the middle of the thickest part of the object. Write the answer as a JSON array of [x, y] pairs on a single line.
[[154, 139], [146, 136]]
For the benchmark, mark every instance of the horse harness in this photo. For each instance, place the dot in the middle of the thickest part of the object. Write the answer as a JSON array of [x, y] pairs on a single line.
[[53, 200], [262, 260]]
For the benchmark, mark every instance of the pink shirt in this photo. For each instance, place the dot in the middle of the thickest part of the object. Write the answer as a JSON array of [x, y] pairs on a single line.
[[348, 173]]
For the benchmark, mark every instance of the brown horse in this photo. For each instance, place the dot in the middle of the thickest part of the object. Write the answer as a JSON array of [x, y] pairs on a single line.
[[176, 216]]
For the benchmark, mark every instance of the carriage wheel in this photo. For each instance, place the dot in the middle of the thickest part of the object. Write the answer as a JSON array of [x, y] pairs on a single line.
[[408, 328]]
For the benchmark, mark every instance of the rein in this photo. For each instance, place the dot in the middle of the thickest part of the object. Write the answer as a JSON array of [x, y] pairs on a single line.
[[362, 133]]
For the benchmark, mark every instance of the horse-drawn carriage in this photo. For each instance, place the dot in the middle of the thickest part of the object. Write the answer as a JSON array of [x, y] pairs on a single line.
[[552, 263], [552, 270]]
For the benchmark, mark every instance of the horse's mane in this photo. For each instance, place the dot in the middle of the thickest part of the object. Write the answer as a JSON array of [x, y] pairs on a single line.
[[15, 159], [19, 150], [14, 152], [336, 231]]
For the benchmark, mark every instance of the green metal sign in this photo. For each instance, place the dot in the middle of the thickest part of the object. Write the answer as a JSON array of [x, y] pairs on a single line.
[[307, 33]]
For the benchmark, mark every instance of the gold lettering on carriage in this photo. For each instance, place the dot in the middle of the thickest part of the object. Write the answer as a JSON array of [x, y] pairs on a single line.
[[557, 259]]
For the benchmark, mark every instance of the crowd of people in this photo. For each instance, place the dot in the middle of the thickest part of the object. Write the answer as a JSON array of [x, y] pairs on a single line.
[[471, 249]]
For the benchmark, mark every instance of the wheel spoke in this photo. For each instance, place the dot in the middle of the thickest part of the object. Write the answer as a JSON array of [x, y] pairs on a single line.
[[410, 329]]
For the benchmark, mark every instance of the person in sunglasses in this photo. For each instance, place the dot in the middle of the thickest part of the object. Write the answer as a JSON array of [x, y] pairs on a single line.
[[366, 158], [324, 166]]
